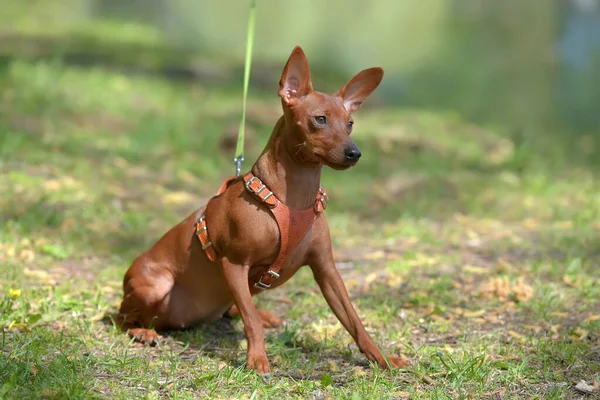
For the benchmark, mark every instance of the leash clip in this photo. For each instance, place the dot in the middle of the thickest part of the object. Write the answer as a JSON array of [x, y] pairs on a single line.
[[237, 161]]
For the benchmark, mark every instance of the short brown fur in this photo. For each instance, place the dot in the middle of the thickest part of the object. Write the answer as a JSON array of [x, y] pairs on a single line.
[[173, 285]]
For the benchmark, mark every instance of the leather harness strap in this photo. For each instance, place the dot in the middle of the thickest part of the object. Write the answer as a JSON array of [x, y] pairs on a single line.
[[293, 225], [202, 229]]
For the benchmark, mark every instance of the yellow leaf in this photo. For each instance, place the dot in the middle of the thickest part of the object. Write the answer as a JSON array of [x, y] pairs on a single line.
[[534, 328], [358, 372], [517, 336], [558, 314], [322, 331], [178, 198], [581, 333], [37, 273], [97, 317], [370, 278], [16, 325], [592, 318], [394, 280], [474, 314], [476, 270], [569, 282], [333, 366]]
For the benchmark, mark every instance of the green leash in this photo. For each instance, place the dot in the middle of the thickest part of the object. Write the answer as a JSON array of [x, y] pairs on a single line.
[[239, 149]]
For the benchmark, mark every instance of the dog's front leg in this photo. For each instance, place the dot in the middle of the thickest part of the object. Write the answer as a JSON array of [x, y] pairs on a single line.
[[334, 290], [237, 280]]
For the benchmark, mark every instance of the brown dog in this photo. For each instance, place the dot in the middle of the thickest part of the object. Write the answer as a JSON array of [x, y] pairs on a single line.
[[259, 229]]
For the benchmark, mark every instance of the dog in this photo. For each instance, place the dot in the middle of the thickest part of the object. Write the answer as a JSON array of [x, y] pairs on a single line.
[[259, 229]]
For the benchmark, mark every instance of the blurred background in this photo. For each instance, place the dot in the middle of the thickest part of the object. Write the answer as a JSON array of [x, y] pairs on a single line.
[[487, 108], [469, 230], [532, 67]]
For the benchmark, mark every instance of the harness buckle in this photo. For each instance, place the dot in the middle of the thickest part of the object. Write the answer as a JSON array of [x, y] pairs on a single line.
[[260, 188], [263, 286]]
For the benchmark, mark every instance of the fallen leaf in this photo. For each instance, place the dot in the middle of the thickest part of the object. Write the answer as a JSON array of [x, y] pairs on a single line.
[[592, 318], [581, 333], [535, 328], [559, 314], [473, 314], [321, 331], [569, 282], [97, 317], [476, 270], [27, 255], [522, 291], [370, 278], [358, 372], [517, 336], [333, 366], [179, 198], [499, 395], [394, 280], [38, 274], [583, 387]]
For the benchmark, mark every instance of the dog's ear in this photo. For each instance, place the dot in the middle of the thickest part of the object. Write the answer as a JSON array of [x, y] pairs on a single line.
[[295, 80], [360, 87]]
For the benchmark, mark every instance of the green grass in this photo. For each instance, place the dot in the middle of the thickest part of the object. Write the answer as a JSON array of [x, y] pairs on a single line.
[[475, 258]]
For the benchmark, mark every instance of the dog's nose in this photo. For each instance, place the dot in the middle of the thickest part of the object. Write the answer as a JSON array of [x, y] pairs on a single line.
[[352, 154]]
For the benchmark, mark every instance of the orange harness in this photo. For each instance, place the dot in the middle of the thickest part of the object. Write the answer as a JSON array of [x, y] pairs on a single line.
[[293, 224]]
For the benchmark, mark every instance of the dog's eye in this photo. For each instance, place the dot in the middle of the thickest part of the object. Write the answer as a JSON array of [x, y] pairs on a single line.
[[350, 124], [321, 119]]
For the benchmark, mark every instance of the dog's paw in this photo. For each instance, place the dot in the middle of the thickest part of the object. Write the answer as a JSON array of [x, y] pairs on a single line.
[[259, 363], [145, 336], [269, 319], [395, 362]]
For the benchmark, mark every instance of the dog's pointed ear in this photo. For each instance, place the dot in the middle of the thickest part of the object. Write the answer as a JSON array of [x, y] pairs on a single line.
[[360, 87], [295, 80]]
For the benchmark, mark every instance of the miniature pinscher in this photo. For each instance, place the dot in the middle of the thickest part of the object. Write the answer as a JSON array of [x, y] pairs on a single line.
[[259, 229]]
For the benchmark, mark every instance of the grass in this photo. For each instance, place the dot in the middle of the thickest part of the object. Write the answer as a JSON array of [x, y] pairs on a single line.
[[474, 257]]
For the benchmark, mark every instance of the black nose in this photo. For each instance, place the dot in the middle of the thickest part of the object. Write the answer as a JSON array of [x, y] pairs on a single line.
[[352, 154]]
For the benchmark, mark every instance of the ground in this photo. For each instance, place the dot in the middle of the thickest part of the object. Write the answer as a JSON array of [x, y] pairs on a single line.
[[472, 255]]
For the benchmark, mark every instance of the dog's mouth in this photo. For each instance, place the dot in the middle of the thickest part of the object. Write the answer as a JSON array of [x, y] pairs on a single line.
[[335, 165]]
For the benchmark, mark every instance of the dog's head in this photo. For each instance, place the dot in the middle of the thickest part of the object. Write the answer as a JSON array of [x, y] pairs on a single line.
[[322, 122]]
